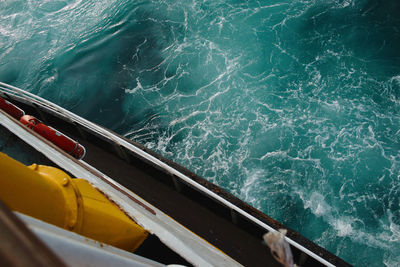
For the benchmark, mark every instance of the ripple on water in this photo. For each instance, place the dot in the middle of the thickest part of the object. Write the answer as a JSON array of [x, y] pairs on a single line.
[[281, 103]]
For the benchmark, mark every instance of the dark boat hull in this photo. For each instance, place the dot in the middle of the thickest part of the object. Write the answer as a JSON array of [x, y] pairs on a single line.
[[238, 235]]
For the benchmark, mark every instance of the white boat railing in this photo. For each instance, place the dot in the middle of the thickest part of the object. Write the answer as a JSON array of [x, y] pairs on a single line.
[[9, 89]]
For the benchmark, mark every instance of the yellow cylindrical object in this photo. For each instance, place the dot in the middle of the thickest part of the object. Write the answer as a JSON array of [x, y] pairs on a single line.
[[102, 218], [25, 190], [50, 194]]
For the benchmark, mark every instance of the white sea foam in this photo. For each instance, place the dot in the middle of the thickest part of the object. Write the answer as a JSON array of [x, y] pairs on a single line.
[[343, 227], [252, 182], [346, 226], [134, 90], [277, 103]]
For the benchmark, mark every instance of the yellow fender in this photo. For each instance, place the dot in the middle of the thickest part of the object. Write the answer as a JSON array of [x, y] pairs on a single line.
[[50, 194]]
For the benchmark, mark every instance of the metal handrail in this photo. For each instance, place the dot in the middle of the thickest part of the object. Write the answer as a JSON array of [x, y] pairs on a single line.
[[103, 132], [49, 105]]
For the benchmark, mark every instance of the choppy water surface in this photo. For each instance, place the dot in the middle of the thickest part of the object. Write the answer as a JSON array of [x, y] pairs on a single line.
[[293, 106]]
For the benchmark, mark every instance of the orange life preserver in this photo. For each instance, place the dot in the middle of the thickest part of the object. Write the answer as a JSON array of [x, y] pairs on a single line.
[[62, 141], [11, 109]]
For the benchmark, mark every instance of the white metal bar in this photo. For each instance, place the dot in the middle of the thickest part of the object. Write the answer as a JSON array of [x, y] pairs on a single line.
[[159, 163], [190, 246]]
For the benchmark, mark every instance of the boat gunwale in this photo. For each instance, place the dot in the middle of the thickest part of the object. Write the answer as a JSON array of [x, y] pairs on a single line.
[[186, 176]]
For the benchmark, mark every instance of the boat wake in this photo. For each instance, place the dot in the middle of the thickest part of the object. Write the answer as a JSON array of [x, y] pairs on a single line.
[[283, 104]]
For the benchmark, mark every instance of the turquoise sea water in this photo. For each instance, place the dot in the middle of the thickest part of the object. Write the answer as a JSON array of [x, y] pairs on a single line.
[[293, 106]]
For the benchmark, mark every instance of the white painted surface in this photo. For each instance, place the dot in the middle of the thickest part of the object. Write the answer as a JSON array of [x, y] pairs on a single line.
[[147, 156], [77, 250], [191, 247]]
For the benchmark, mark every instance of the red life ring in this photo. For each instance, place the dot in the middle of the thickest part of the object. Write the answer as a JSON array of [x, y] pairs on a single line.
[[11, 109], [62, 141]]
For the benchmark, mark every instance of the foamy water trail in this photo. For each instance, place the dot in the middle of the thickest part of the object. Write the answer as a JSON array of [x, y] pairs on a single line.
[[293, 106]]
